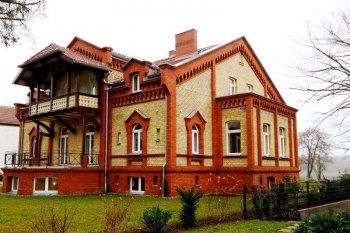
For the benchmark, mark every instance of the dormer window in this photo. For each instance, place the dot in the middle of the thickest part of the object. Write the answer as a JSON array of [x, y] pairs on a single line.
[[135, 80]]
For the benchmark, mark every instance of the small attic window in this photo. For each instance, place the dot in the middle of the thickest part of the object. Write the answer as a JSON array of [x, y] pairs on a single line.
[[135, 80]]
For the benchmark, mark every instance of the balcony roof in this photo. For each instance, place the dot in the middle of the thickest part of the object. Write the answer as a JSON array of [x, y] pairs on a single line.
[[65, 54]]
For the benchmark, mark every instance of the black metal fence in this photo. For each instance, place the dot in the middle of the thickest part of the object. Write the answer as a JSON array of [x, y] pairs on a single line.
[[14, 159], [281, 201]]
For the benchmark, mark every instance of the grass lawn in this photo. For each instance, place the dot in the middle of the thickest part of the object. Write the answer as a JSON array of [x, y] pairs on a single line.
[[248, 226], [17, 211]]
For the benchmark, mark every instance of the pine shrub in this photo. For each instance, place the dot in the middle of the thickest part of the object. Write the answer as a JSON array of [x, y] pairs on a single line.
[[155, 218]]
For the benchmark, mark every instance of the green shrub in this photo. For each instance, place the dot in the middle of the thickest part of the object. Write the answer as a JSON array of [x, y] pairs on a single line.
[[189, 200], [155, 218], [322, 223], [1, 177]]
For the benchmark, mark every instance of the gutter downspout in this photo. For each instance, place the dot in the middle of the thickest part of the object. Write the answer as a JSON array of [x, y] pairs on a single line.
[[165, 148], [106, 136], [22, 136]]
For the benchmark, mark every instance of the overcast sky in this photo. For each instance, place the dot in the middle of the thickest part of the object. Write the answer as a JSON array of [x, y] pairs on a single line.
[[146, 29]]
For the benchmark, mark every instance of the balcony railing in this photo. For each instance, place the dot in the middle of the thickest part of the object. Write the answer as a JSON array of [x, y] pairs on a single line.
[[45, 160], [63, 102]]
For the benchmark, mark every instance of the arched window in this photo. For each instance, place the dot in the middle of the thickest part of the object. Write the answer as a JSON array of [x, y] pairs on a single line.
[[233, 132], [137, 139], [195, 139], [88, 83]]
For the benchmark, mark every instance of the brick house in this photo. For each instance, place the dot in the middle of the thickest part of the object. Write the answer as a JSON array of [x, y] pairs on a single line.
[[98, 120]]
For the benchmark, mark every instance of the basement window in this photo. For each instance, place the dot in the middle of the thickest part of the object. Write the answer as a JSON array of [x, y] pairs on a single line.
[[137, 185], [45, 185]]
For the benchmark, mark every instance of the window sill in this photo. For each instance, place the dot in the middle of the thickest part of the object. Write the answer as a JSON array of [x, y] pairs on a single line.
[[135, 154], [268, 157], [284, 158], [135, 92], [235, 156]]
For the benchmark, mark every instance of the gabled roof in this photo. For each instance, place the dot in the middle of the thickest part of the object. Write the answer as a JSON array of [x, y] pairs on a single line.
[[177, 62], [72, 56], [7, 116]]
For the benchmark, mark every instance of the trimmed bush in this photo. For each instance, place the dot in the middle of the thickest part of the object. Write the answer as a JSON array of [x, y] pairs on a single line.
[[189, 200], [323, 223], [155, 218]]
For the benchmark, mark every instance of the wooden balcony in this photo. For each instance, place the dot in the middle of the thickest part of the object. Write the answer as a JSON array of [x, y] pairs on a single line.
[[70, 101]]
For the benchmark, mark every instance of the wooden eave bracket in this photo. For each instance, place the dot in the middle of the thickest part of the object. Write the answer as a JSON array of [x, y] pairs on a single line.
[[90, 118], [51, 132], [66, 124]]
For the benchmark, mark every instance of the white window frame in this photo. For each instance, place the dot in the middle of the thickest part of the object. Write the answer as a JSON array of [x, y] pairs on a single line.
[[266, 140], [195, 139], [139, 191], [90, 141], [228, 132], [13, 188], [137, 133], [46, 191], [135, 87], [64, 153], [282, 141], [232, 84], [250, 87]]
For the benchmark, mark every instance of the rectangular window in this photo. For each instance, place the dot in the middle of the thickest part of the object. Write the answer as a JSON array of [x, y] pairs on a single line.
[[14, 186], [266, 139], [135, 83], [232, 84], [233, 134], [116, 180], [137, 185], [197, 180], [119, 138], [270, 181], [89, 143], [45, 185], [158, 135], [282, 141], [249, 88], [64, 146], [155, 180], [195, 140]]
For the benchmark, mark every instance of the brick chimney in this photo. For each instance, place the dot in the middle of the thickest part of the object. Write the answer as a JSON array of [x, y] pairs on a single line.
[[186, 42]]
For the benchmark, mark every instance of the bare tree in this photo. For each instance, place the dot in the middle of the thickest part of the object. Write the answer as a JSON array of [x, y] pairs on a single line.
[[326, 66], [14, 18], [314, 148]]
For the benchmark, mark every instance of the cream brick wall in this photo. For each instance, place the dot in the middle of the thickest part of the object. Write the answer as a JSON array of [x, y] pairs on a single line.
[[234, 114], [284, 163], [255, 129], [235, 162], [267, 117], [283, 122], [243, 74], [292, 135], [119, 162], [268, 163], [155, 111], [181, 161], [194, 95]]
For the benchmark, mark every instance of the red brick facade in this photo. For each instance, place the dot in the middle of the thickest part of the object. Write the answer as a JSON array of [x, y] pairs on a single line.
[[166, 161]]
